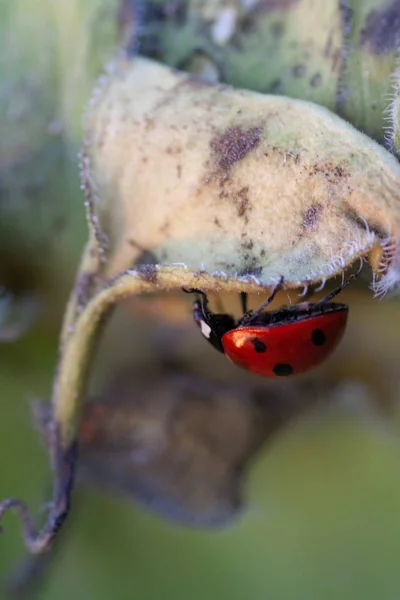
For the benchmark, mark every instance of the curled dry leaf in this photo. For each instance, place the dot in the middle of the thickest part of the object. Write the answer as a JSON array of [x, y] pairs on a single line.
[[180, 444], [234, 183]]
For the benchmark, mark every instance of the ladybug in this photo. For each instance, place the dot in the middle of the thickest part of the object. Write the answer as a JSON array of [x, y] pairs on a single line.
[[279, 343]]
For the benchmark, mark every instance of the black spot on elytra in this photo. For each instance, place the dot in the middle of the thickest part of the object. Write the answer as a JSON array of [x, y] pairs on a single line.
[[259, 346], [282, 369], [381, 33], [318, 337], [362, 223]]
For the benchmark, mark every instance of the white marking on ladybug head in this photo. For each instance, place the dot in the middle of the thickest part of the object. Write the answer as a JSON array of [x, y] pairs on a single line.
[[205, 329]]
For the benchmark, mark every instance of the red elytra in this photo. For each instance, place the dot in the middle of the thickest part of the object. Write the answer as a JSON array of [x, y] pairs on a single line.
[[288, 341], [286, 348]]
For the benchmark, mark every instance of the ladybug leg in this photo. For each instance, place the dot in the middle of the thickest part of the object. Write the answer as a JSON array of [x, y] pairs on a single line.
[[212, 326], [253, 314], [200, 306], [201, 312], [243, 302], [344, 284], [193, 291]]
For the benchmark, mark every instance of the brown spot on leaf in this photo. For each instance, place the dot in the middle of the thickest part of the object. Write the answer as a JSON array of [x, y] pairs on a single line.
[[311, 217], [381, 33], [171, 150], [233, 145], [332, 173], [248, 244], [165, 228], [242, 201], [251, 263], [340, 171]]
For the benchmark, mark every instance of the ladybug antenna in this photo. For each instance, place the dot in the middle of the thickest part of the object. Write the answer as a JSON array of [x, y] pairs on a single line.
[[252, 314], [193, 291], [344, 284]]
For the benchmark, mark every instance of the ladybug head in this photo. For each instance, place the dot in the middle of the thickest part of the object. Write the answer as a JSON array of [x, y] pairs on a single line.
[[212, 326]]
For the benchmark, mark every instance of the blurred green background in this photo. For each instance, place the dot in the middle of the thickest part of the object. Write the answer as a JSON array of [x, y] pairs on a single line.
[[323, 515]]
